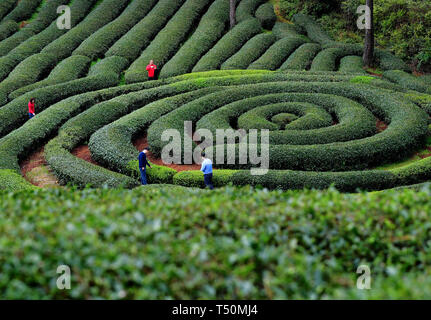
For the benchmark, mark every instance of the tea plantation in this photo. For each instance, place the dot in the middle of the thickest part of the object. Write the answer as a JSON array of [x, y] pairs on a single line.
[[332, 124]]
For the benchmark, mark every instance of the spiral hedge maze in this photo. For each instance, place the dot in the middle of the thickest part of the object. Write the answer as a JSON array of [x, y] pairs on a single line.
[[312, 94]]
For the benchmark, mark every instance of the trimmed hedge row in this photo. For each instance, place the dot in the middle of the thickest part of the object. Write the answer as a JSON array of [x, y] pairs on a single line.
[[246, 9], [24, 9], [105, 12], [70, 169], [301, 58], [69, 69], [407, 81], [112, 146], [266, 15], [274, 57], [208, 32], [15, 113], [35, 132], [27, 72], [327, 59], [249, 52], [6, 6], [352, 64], [166, 43], [46, 15], [83, 125], [228, 45], [406, 132], [7, 29], [283, 30], [133, 42], [12, 181], [386, 60], [100, 41], [355, 122], [351, 181], [33, 45], [313, 29]]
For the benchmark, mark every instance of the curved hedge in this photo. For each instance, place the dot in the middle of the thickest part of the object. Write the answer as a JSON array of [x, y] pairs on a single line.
[[27, 72], [208, 32], [282, 30], [99, 42], [24, 9], [105, 12], [46, 15], [228, 45], [6, 6], [249, 52], [133, 42], [266, 15], [407, 81], [7, 29], [246, 9], [352, 64], [167, 42], [301, 58], [69, 69], [13, 53], [274, 57]]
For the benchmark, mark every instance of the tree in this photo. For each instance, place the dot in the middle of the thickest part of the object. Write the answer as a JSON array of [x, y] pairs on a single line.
[[232, 13], [368, 56]]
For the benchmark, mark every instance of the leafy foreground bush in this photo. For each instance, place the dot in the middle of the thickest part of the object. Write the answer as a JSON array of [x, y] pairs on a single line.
[[172, 242]]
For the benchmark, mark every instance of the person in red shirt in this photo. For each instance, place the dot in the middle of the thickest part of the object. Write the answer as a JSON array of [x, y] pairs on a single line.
[[31, 113], [151, 68]]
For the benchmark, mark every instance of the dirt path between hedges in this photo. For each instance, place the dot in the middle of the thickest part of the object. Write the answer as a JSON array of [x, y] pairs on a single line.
[[36, 171], [141, 142]]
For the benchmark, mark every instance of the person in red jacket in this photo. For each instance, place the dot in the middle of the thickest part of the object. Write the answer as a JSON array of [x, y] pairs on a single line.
[[151, 68], [31, 113]]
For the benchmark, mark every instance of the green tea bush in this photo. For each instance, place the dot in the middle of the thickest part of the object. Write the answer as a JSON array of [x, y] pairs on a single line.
[[301, 58], [209, 31], [233, 243], [407, 81], [6, 6], [228, 45], [29, 71], [246, 9], [283, 30], [133, 42], [7, 29], [69, 69], [24, 9], [352, 64], [274, 57], [99, 42], [249, 52], [16, 49], [266, 15], [168, 41], [105, 12]]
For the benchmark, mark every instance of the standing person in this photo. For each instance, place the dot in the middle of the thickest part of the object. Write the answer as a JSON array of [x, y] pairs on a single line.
[[151, 68], [143, 162], [207, 169], [31, 104]]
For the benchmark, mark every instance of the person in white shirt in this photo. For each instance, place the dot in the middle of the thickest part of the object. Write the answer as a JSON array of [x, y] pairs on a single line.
[[207, 169]]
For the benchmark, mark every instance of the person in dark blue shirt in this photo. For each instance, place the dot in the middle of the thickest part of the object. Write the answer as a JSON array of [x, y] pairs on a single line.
[[143, 162]]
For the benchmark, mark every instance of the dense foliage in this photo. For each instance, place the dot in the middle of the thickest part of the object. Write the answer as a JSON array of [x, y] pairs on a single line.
[[172, 243], [402, 26]]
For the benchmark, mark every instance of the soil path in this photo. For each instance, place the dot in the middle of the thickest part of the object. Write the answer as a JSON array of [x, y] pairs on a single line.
[[141, 142], [36, 171]]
